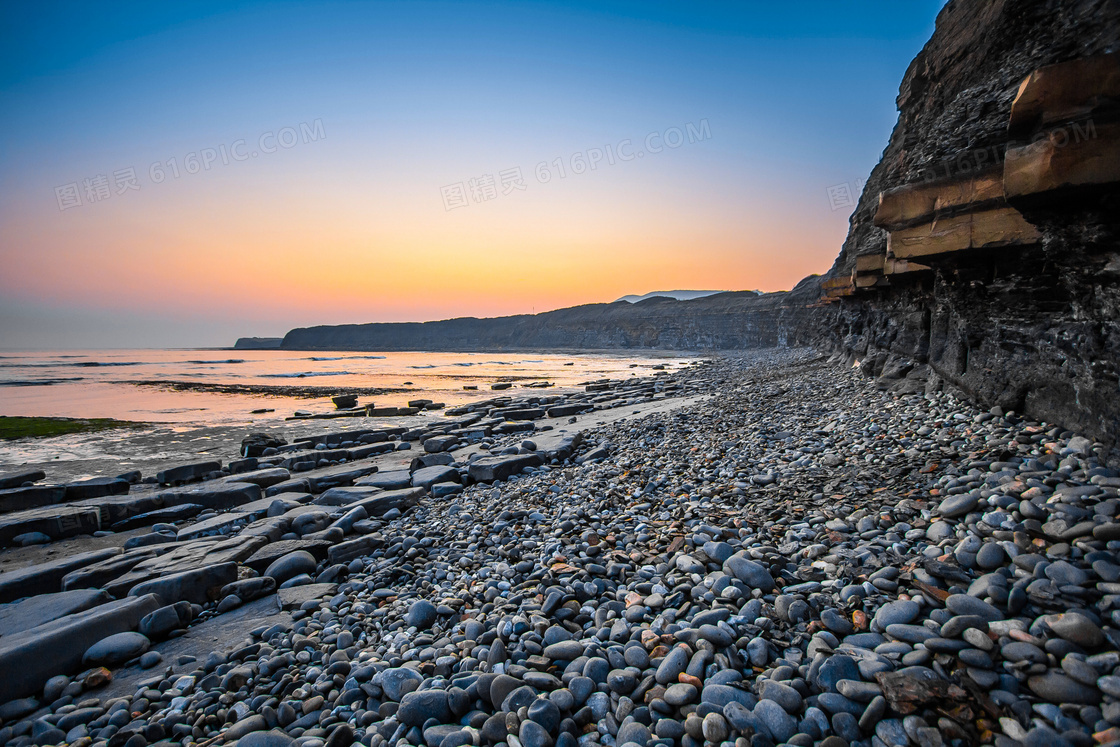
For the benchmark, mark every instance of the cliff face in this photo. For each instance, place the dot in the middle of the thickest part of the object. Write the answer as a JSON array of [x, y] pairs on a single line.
[[984, 250], [722, 321]]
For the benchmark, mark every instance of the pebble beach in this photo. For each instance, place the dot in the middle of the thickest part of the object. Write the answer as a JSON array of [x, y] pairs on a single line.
[[760, 549]]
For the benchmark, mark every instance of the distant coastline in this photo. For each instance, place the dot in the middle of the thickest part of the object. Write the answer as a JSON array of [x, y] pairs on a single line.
[[728, 320]]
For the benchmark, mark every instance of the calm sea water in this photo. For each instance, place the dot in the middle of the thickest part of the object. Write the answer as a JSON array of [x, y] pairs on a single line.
[[87, 384]]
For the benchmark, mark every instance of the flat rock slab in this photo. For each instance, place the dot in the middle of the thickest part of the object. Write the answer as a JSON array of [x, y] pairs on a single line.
[[198, 585], [170, 514], [342, 474], [491, 469], [264, 557], [33, 496], [220, 524], [31, 657], [392, 480], [218, 496], [294, 597], [426, 477], [96, 487], [18, 478], [257, 509], [379, 503], [188, 556], [345, 496], [102, 573], [32, 612], [298, 485], [364, 452], [57, 522], [263, 477], [187, 472], [44, 578]]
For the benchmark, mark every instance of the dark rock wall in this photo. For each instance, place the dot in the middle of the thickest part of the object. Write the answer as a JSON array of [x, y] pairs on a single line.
[[1033, 329]]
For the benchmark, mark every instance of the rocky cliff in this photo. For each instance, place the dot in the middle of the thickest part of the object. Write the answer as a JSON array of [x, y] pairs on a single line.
[[983, 254]]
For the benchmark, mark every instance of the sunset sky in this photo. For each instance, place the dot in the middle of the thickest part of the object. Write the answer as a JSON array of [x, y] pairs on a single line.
[[184, 175]]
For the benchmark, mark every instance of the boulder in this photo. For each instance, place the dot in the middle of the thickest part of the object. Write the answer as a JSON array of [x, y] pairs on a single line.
[[159, 623], [116, 649], [291, 565]]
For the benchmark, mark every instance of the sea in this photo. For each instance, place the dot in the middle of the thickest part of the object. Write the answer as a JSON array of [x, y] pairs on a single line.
[[210, 387]]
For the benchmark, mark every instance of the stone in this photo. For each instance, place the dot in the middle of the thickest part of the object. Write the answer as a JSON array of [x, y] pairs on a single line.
[[1059, 688], [421, 614], [426, 477], [956, 506], [962, 604], [777, 724], [115, 649], [261, 738], [398, 681], [749, 572], [418, 707], [1076, 628], [159, 623], [291, 565], [17, 478]]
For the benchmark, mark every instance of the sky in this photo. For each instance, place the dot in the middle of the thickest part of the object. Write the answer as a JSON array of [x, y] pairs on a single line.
[[183, 174]]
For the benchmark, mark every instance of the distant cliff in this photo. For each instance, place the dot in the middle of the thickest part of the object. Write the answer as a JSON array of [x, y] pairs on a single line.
[[258, 343], [734, 320]]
